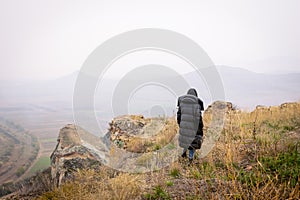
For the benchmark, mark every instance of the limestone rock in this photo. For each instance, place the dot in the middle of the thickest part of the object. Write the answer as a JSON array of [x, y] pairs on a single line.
[[75, 149], [127, 128]]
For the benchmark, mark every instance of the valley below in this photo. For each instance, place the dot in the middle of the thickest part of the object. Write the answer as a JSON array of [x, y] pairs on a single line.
[[28, 137]]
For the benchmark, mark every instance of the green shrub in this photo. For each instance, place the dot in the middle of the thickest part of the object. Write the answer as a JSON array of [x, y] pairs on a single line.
[[175, 172], [169, 183], [159, 193], [157, 147], [20, 171]]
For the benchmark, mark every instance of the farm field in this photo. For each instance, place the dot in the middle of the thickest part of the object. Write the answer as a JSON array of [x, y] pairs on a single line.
[[41, 163]]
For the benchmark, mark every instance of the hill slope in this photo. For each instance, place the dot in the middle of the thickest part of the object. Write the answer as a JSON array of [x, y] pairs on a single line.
[[255, 156]]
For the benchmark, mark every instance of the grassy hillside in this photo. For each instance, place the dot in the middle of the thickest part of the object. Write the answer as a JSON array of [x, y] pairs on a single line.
[[256, 157], [18, 149]]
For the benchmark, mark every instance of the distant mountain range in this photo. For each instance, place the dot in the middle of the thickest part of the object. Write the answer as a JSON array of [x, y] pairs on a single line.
[[243, 88], [246, 89]]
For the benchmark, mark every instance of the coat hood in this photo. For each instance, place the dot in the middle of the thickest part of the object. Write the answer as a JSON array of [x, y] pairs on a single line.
[[192, 91]]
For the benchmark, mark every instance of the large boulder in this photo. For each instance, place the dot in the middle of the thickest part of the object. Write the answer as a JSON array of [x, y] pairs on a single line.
[[75, 149], [138, 134]]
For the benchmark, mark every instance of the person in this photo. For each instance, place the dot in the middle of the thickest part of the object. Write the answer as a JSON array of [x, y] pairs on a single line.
[[190, 123]]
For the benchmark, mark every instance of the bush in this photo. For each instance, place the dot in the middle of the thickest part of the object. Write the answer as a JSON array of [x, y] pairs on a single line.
[[159, 193], [20, 171], [175, 172], [169, 183]]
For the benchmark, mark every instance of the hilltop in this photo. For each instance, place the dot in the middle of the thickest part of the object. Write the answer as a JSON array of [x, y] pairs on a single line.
[[256, 155]]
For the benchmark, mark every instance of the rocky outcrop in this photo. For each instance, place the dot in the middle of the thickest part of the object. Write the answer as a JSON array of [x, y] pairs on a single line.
[[133, 143], [214, 120], [137, 134], [75, 149], [124, 128], [141, 144]]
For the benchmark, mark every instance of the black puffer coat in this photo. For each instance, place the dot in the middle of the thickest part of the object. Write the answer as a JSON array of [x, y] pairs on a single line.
[[189, 118]]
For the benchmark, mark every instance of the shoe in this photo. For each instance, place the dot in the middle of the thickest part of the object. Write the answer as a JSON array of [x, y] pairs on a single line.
[[184, 155]]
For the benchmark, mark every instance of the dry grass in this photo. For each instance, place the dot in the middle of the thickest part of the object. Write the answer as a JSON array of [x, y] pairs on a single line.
[[89, 184], [256, 157], [137, 145], [253, 155]]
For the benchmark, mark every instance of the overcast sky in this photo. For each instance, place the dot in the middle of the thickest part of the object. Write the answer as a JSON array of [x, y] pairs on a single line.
[[48, 39]]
